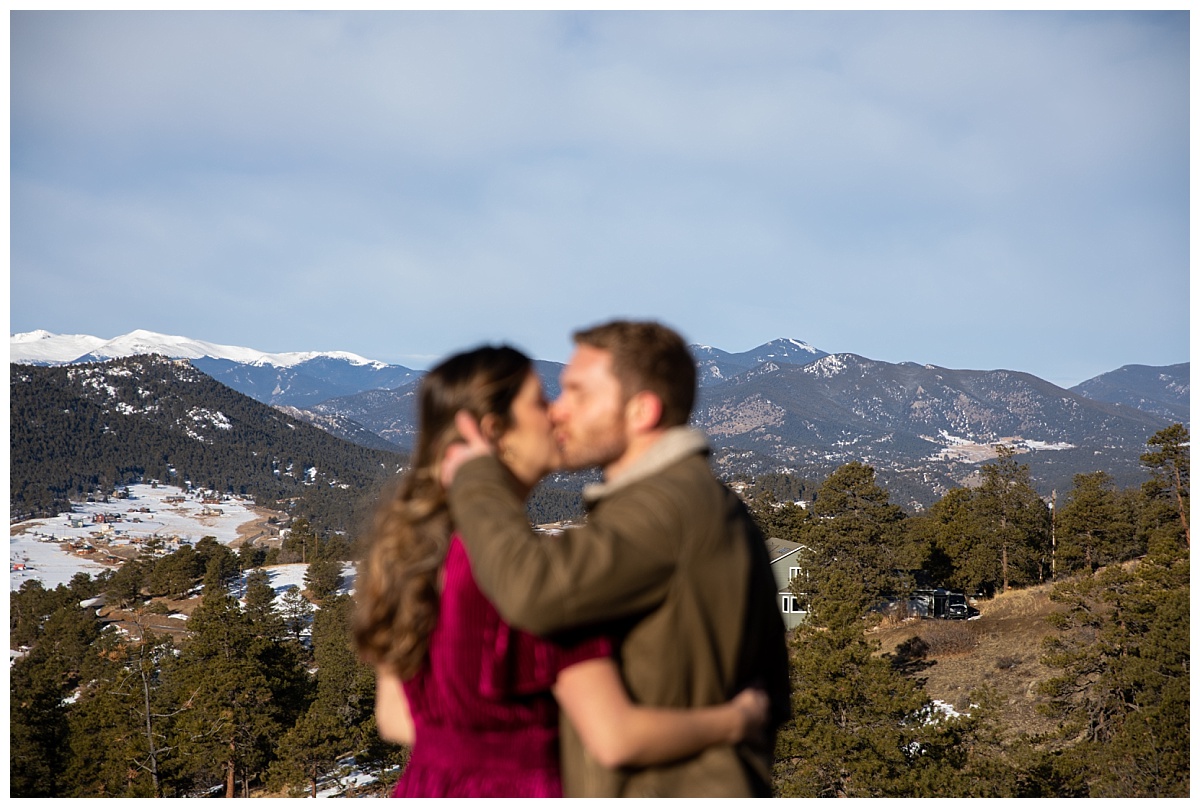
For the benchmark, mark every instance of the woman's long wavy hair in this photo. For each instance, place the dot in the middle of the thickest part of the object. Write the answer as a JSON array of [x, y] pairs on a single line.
[[397, 587]]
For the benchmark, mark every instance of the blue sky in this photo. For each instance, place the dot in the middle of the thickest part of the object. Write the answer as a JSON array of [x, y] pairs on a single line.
[[965, 189]]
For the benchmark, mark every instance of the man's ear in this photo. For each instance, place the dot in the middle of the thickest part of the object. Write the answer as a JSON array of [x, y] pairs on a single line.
[[643, 411]]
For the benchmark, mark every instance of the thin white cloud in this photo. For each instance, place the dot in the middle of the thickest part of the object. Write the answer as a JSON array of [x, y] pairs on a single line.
[[405, 183]]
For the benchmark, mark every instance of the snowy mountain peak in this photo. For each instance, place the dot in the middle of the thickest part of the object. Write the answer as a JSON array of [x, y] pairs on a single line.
[[803, 346], [32, 336], [43, 348]]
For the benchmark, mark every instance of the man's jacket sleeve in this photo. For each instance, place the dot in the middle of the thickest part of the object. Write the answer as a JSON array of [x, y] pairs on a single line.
[[616, 565]]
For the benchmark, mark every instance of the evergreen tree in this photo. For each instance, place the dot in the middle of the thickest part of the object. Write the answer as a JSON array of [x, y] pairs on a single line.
[[124, 587], [39, 683], [309, 749], [779, 520], [1166, 495], [296, 611], [1123, 647], [992, 537], [240, 691], [344, 683], [37, 726], [1017, 523], [116, 727], [300, 543], [856, 532], [175, 574], [218, 563], [1169, 462], [946, 533], [335, 723], [382, 758], [251, 555], [260, 606], [323, 577], [31, 605], [861, 728], [1093, 528]]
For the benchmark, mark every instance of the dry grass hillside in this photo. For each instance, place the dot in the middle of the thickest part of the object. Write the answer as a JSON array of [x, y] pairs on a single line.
[[1001, 649]]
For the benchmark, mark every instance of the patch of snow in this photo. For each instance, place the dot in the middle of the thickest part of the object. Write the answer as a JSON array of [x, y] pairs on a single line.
[[826, 367], [803, 346], [1037, 446], [945, 709], [216, 418], [39, 545]]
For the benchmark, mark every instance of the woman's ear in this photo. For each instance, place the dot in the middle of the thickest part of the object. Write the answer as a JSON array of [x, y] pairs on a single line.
[[489, 428]]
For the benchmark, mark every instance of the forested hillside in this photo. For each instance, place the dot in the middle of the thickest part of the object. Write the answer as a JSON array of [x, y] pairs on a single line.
[[1109, 674], [245, 702], [81, 428]]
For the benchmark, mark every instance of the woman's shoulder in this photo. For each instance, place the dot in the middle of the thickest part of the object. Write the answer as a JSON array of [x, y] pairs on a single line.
[[457, 567]]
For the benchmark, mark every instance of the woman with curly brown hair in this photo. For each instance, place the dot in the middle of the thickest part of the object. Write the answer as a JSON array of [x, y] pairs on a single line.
[[477, 699]]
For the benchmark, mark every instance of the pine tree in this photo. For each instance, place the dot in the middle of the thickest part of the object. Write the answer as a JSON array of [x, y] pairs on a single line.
[[309, 749], [861, 728], [1168, 490], [37, 726], [175, 574], [382, 758], [1123, 694], [296, 611], [1093, 528], [240, 691], [344, 683], [260, 606], [992, 537], [117, 745], [125, 586], [858, 533], [323, 577], [60, 659], [218, 563], [779, 520]]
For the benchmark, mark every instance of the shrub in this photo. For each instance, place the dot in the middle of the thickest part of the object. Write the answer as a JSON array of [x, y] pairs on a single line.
[[949, 637]]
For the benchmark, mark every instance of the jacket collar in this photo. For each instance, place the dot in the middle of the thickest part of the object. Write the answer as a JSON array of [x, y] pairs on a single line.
[[675, 444]]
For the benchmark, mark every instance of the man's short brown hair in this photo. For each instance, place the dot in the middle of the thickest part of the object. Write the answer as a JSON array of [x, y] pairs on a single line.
[[648, 356]]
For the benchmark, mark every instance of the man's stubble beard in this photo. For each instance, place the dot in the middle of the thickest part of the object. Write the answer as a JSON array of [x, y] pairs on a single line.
[[597, 449]]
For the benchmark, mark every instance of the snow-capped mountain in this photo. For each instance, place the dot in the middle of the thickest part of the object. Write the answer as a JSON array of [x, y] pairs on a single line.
[[44, 348], [715, 366], [297, 379]]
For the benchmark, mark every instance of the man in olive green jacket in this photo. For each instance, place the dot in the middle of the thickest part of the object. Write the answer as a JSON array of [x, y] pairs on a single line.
[[668, 561]]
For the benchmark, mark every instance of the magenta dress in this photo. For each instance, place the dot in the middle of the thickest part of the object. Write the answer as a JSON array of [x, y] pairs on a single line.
[[485, 720]]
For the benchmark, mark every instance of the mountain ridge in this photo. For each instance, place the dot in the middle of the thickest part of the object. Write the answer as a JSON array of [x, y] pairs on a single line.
[[786, 406]]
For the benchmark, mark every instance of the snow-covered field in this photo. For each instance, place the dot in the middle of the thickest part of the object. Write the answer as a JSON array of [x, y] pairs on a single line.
[[964, 450], [288, 575], [39, 545]]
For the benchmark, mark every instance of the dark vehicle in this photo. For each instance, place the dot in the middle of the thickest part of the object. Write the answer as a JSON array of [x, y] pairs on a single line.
[[942, 604]]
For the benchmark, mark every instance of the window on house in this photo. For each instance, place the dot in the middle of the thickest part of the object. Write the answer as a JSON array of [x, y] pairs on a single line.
[[794, 573], [794, 605]]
